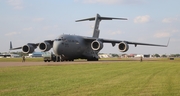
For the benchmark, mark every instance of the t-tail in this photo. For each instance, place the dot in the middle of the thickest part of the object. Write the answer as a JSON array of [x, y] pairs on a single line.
[[97, 19]]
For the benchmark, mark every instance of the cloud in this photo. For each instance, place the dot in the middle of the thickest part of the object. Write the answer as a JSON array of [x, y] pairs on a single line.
[[175, 31], [170, 20], [17, 4], [12, 33], [162, 34], [110, 1], [116, 32], [175, 40], [165, 33], [38, 19], [46, 27], [28, 29], [50, 27], [142, 19], [98, 1]]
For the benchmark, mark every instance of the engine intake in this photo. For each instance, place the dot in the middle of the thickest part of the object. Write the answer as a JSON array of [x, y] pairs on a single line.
[[28, 48], [123, 46], [45, 46], [96, 45]]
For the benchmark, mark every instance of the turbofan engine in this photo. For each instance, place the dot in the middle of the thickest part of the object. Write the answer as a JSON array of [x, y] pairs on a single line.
[[28, 48], [45, 46], [96, 45], [123, 46]]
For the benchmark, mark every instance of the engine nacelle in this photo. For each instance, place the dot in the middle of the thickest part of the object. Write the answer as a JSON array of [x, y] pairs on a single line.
[[45, 46], [123, 46], [28, 48], [96, 45]]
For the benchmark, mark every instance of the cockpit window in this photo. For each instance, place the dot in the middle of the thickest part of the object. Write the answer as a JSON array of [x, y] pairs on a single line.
[[64, 40], [57, 39]]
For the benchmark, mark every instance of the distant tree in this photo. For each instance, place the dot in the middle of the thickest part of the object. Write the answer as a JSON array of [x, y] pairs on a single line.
[[164, 55], [175, 55], [156, 55], [115, 55]]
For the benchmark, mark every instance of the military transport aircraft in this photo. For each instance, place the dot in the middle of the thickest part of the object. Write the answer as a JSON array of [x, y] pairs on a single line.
[[70, 47]]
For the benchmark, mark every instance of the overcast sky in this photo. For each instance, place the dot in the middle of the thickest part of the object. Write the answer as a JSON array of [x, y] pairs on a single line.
[[149, 21]]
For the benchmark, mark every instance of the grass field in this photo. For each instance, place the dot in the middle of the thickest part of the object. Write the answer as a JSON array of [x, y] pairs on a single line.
[[124, 78]]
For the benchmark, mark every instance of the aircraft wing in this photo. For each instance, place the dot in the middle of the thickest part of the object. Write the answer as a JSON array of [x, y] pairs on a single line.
[[134, 43], [113, 42], [16, 48], [33, 44], [137, 43], [30, 47]]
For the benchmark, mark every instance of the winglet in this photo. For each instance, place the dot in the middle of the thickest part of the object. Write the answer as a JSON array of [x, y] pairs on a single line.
[[168, 43], [10, 45]]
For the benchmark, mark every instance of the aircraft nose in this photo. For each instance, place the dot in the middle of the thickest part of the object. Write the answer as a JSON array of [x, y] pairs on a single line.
[[56, 48]]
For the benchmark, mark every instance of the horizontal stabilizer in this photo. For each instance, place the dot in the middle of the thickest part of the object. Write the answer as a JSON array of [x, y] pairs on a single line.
[[90, 19], [110, 18], [97, 20], [100, 18]]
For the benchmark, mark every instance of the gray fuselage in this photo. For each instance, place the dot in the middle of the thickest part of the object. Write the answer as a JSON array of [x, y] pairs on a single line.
[[70, 47]]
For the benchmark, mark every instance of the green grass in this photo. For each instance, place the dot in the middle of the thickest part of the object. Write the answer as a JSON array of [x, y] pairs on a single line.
[[124, 78]]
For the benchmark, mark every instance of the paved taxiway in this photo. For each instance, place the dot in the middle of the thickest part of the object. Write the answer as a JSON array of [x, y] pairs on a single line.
[[6, 64]]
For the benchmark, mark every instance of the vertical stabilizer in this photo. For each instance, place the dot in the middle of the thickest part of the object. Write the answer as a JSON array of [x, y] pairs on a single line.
[[97, 19], [96, 30]]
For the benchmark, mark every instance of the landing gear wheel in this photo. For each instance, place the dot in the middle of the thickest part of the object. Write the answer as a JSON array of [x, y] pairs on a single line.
[[92, 59]]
